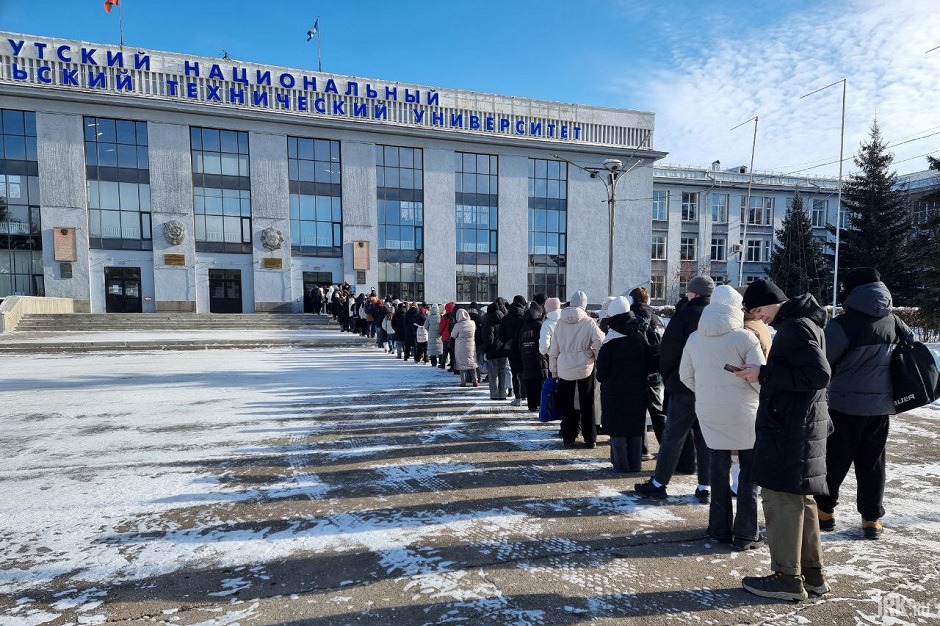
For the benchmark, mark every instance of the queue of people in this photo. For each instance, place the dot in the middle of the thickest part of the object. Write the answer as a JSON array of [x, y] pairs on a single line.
[[779, 419]]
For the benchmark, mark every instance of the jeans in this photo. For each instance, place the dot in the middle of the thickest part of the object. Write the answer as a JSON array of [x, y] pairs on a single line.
[[723, 525], [569, 420], [861, 440], [679, 426], [792, 532], [498, 369]]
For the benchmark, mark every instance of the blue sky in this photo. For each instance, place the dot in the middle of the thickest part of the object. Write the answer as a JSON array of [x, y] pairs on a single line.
[[702, 67]]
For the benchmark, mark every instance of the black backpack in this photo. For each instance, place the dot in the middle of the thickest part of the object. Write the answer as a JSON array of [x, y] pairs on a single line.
[[913, 373]]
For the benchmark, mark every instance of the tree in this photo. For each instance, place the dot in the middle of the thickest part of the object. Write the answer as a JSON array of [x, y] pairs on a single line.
[[927, 244], [877, 229], [797, 264]]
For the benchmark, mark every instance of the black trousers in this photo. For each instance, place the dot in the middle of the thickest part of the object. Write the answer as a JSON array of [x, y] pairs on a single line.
[[655, 402], [858, 439], [421, 351], [686, 464], [533, 392], [570, 418], [518, 384]]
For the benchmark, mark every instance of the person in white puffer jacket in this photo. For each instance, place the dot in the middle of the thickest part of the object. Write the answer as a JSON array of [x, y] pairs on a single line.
[[571, 354], [552, 314], [726, 406]]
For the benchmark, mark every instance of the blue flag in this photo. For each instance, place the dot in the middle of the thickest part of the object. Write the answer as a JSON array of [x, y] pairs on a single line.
[[313, 30]]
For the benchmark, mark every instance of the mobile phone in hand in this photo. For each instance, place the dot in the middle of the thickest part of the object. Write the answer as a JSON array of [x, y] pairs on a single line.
[[732, 368]]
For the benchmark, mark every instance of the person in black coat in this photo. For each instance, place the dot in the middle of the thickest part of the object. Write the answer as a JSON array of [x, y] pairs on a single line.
[[497, 356], [625, 361], [510, 326], [655, 392], [411, 330], [401, 331], [681, 420], [790, 448], [534, 363]]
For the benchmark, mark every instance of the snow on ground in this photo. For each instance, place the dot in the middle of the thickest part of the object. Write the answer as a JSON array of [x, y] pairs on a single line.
[[133, 467]]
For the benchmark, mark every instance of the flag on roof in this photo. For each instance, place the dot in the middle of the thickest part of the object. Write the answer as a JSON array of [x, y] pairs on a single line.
[[110, 4], [313, 30]]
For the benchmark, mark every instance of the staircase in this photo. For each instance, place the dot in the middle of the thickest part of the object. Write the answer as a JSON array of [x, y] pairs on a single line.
[[103, 322]]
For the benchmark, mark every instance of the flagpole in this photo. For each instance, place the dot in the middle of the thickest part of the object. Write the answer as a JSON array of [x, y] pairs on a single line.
[[121, 23], [319, 58]]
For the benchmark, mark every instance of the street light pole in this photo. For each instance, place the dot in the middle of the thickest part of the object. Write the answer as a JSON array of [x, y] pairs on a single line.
[[835, 264], [614, 172], [747, 201]]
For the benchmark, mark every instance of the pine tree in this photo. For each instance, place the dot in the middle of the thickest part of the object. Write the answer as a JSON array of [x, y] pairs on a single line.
[[797, 264], [878, 224]]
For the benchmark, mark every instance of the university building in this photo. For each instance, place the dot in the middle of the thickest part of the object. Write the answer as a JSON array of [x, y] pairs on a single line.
[[138, 180]]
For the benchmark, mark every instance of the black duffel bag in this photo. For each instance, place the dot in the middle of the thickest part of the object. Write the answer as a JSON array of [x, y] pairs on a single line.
[[913, 373]]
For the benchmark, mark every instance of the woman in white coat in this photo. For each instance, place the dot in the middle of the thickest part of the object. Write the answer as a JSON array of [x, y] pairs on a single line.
[[726, 406], [465, 350]]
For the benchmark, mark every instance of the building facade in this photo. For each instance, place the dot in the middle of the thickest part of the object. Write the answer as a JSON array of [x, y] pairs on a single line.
[[702, 222], [137, 180]]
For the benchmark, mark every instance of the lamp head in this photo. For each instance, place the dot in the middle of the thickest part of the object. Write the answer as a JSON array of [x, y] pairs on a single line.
[[613, 165]]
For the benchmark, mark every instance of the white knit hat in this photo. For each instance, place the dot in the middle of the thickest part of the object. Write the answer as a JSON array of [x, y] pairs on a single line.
[[619, 305]]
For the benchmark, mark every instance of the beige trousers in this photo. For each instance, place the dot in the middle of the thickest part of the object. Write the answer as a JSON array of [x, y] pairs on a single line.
[[792, 532]]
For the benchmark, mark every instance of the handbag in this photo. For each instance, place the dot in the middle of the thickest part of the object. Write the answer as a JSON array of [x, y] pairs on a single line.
[[549, 410], [914, 374]]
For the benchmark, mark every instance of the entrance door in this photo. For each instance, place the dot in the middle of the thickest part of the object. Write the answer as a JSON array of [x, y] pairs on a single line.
[[225, 291], [122, 290], [313, 280]]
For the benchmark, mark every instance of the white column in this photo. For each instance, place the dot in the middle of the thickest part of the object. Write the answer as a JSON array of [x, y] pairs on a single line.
[[513, 255], [360, 215], [270, 209], [440, 226]]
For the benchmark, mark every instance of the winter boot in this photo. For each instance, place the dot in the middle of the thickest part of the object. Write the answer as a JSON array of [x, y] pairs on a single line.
[[827, 521], [873, 529]]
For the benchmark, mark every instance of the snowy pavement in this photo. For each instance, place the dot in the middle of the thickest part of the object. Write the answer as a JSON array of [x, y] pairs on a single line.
[[333, 487]]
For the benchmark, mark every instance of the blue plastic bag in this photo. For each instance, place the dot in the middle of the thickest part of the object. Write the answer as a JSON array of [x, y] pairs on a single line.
[[549, 410]]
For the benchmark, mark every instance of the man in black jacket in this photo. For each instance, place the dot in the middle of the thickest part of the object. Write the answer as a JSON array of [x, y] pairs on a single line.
[[654, 382], [790, 448], [859, 344], [496, 353], [509, 332], [681, 420]]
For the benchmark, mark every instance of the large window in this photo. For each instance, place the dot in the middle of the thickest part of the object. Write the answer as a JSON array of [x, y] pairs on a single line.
[[820, 211], [720, 208], [118, 172], [688, 248], [658, 252], [316, 213], [657, 287], [758, 250], [221, 190], [477, 204], [761, 212], [20, 235], [660, 205], [689, 206], [400, 189], [548, 227], [719, 249]]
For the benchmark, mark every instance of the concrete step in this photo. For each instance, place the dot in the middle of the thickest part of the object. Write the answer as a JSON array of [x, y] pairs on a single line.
[[65, 347], [174, 321]]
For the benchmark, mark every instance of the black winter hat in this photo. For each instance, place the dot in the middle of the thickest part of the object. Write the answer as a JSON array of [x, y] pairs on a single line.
[[519, 300], [856, 277], [539, 299], [761, 293]]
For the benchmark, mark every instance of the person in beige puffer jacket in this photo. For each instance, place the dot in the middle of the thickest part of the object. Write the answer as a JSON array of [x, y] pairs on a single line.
[[726, 406], [573, 350]]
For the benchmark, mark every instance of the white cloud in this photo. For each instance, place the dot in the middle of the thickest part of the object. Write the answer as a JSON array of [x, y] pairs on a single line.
[[879, 47]]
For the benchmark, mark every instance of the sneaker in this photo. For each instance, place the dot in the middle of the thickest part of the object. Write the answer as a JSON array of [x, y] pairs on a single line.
[[742, 544], [476, 384], [778, 586], [827, 521], [516, 402], [568, 444], [814, 581], [650, 490], [647, 457], [703, 495], [872, 530], [590, 445]]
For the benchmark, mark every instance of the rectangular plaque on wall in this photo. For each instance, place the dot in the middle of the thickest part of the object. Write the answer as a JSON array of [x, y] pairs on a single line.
[[174, 259], [360, 255], [272, 263], [63, 240], [65, 270]]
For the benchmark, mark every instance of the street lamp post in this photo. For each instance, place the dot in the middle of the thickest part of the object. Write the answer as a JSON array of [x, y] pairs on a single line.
[[610, 174], [747, 202], [835, 263]]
